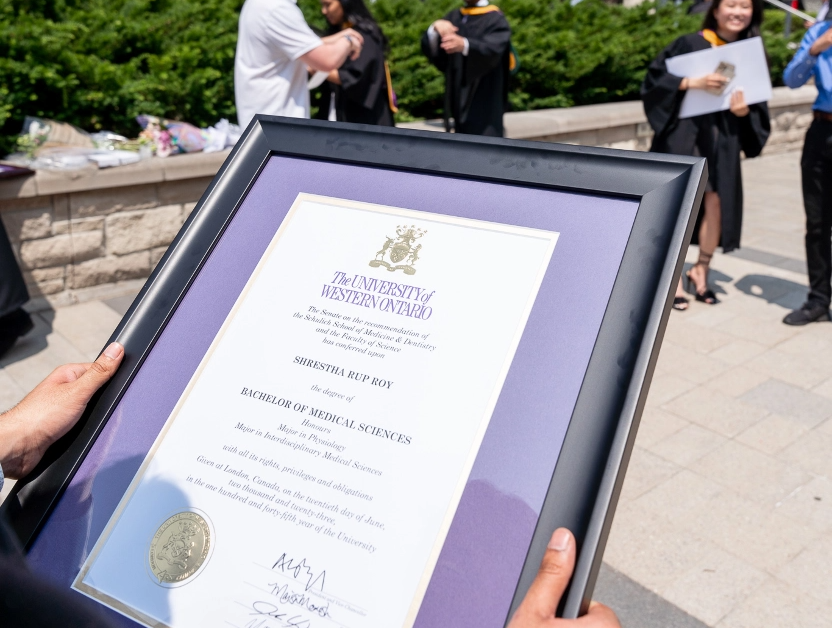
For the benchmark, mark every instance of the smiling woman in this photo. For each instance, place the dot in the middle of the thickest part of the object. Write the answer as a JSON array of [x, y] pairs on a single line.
[[719, 136]]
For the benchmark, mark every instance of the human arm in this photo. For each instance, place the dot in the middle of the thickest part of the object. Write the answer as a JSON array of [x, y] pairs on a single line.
[[334, 50], [431, 40], [443, 27], [738, 106], [817, 40], [754, 129], [660, 91], [285, 29], [362, 80], [455, 44], [538, 607], [821, 44], [50, 411], [710, 82]]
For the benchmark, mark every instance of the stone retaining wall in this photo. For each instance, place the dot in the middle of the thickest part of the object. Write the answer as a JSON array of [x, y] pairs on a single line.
[[624, 125], [75, 231], [90, 233]]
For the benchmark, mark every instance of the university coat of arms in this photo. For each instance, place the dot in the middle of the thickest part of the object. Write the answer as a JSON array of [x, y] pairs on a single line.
[[400, 253], [179, 548]]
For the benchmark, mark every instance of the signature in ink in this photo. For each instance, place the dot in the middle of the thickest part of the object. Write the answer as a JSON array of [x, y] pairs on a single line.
[[285, 596], [267, 610], [300, 570]]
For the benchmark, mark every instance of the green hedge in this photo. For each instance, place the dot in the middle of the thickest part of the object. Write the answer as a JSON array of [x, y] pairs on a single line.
[[99, 63], [570, 55]]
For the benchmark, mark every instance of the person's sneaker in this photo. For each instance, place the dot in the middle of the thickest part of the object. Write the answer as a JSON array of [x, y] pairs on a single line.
[[808, 313], [12, 327]]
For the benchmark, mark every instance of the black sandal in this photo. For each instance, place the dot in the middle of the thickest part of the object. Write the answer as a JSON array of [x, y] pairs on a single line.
[[708, 295], [680, 303]]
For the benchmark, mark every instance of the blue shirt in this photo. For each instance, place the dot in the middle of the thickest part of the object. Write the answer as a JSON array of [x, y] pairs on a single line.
[[804, 65]]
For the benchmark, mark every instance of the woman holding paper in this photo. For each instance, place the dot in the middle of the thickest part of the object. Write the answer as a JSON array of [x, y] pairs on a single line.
[[719, 137]]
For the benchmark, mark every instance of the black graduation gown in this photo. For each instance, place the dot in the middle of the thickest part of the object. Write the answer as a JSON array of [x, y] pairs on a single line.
[[718, 137], [13, 293], [476, 85], [362, 95]]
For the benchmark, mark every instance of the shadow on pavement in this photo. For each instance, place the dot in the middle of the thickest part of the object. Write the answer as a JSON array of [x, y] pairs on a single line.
[[636, 606], [787, 294], [121, 304], [33, 342], [715, 277]]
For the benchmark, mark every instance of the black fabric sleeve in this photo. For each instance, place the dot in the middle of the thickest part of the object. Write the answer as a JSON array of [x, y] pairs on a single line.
[[362, 78], [440, 57], [486, 50], [754, 130], [660, 90]]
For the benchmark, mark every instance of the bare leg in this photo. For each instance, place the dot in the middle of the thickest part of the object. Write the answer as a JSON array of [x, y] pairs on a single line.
[[709, 234], [680, 291], [680, 299]]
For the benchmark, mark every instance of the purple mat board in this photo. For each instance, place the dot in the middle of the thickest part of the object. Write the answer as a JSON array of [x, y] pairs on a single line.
[[480, 563]]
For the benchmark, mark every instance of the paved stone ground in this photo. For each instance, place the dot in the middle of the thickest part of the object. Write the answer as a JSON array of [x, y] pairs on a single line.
[[727, 507], [726, 514]]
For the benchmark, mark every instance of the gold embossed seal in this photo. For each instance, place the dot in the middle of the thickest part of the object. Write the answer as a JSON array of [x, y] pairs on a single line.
[[400, 249], [179, 548]]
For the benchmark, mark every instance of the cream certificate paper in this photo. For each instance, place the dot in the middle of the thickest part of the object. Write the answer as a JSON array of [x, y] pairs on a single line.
[[311, 469]]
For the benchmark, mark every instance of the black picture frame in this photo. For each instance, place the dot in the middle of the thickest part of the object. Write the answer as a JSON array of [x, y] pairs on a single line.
[[589, 474]]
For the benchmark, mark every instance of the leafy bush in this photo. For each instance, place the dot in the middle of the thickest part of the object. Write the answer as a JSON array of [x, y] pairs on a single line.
[[99, 63], [570, 55], [777, 45]]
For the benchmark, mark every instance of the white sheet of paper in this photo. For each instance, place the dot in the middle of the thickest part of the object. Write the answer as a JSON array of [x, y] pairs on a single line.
[[316, 80], [752, 75], [324, 442]]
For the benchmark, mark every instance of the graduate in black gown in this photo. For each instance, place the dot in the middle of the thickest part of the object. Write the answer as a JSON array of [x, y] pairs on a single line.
[[471, 45], [360, 90], [719, 137], [14, 320]]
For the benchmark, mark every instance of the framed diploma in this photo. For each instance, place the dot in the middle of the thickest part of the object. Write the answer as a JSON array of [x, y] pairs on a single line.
[[373, 372]]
